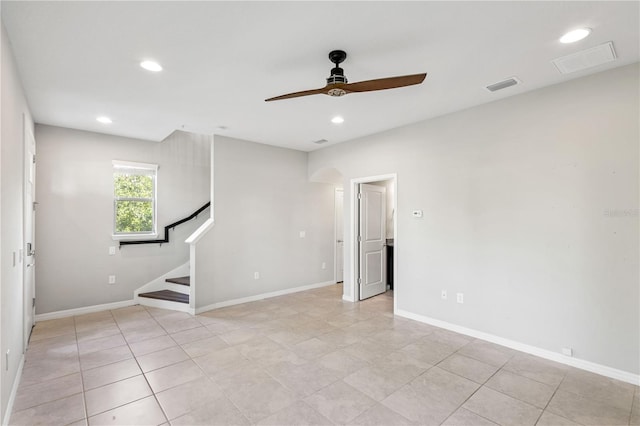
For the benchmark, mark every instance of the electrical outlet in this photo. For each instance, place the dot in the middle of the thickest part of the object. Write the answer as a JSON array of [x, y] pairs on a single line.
[[460, 297], [567, 351], [256, 275], [303, 234], [112, 250], [112, 279], [324, 265], [443, 294]]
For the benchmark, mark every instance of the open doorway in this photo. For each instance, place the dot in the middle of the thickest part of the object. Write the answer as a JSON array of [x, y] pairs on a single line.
[[339, 237], [374, 236], [335, 178]]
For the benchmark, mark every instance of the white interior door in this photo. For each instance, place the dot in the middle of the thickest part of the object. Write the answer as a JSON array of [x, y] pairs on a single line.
[[29, 232], [372, 240], [339, 235]]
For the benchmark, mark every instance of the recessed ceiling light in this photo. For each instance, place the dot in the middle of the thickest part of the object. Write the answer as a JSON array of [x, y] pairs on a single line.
[[104, 120], [575, 35], [337, 120], [151, 66]]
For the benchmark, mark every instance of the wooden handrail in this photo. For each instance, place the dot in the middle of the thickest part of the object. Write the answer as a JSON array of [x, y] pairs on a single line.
[[166, 229]]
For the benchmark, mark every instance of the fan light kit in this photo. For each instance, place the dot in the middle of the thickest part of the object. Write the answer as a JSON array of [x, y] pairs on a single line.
[[337, 120], [575, 35], [151, 66], [104, 120], [337, 84]]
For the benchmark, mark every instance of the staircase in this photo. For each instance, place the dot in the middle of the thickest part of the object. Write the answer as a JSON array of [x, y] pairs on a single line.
[[172, 290], [164, 291], [171, 295]]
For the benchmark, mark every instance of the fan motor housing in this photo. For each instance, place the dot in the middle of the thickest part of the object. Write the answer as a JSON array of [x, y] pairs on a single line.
[[337, 76]]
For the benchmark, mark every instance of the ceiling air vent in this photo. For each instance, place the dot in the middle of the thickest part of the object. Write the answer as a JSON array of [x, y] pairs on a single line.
[[503, 84], [320, 141], [585, 59]]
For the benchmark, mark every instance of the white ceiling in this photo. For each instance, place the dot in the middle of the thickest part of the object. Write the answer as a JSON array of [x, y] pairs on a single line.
[[221, 60]]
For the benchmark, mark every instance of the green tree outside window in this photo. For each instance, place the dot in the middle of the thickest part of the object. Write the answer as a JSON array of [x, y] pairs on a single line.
[[134, 202]]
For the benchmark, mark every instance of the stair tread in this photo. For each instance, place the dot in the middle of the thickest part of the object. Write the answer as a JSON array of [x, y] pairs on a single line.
[[180, 280], [172, 296]]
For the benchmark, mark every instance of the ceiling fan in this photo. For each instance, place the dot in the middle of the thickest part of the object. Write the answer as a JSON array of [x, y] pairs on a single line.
[[337, 84]]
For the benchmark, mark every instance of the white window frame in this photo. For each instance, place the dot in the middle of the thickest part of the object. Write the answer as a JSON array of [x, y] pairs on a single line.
[[132, 166]]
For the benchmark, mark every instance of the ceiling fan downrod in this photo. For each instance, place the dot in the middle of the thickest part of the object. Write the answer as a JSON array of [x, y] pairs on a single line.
[[337, 73]]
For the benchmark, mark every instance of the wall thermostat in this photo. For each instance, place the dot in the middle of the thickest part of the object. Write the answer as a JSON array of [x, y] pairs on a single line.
[[417, 213]]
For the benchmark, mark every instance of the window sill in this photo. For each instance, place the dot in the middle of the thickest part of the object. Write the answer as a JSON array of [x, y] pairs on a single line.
[[129, 237]]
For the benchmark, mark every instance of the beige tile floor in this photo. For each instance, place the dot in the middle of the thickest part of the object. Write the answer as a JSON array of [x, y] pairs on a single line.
[[305, 358]]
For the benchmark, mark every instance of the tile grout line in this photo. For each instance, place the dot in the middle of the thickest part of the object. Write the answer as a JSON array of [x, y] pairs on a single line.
[[199, 367], [52, 400], [513, 356], [111, 363], [84, 398], [140, 367], [245, 358], [550, 399], [135, 359], [336, 348], [633, 403], [479, 387], [500, 392], [288, 348]]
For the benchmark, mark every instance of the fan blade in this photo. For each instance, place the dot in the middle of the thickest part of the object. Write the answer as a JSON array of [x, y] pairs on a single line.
[[385, 83], [298, 94]]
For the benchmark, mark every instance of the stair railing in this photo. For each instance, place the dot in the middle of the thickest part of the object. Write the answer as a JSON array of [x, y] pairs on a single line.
[[167, 228]]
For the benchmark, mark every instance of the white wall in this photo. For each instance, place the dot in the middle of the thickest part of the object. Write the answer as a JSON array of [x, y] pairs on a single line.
[[516, 195], [14, 106], [262, 201], [74, 222]]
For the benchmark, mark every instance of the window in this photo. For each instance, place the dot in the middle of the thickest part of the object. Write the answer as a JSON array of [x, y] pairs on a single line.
[[134, 199]]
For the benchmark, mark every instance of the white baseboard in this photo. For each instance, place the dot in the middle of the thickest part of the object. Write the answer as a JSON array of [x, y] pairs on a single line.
[[84, 310], [582, 364], [14, 391], [347, 298], [262, 296]]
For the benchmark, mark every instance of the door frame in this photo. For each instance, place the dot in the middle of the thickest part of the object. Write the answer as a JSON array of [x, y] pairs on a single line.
[[353, 233], [335, 234], [28, 289]]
